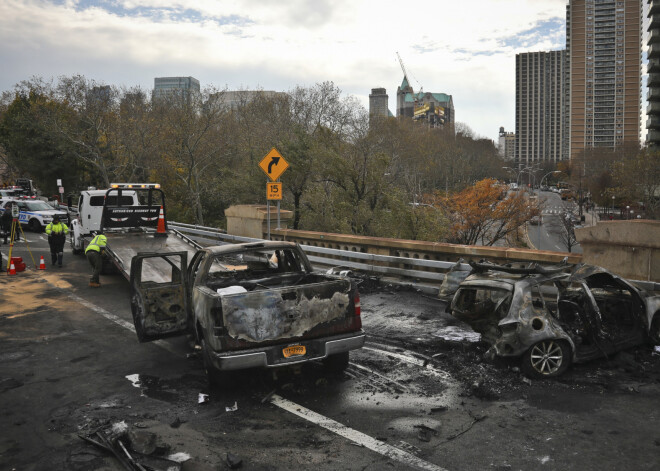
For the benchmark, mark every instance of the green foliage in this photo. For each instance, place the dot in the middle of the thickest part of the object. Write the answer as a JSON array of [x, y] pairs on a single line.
[[31, 150]]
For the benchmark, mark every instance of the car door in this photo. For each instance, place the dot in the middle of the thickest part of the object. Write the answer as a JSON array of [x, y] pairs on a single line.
[[159, 299]]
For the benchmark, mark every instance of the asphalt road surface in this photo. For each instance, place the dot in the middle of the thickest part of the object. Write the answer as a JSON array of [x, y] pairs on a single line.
[[418, 396], [552, 209]]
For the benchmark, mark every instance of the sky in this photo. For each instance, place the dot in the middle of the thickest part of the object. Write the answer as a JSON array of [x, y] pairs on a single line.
[[464, 49]]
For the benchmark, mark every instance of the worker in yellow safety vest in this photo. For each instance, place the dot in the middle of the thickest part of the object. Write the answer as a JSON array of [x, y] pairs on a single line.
[[57, 232], [94, 252]]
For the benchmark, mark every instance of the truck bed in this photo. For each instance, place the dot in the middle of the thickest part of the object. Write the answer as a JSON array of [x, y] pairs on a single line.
[[123, 246]]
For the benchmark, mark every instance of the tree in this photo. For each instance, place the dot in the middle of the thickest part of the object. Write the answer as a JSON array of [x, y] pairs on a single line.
[[566, 231], [31, 151], [485, 213], [637, 179], [191, 142]]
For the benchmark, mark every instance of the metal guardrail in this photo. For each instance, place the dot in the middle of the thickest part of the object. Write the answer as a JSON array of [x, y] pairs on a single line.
[[371, 263]]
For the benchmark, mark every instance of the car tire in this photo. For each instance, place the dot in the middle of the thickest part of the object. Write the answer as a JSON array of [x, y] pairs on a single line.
[[336, 363], [547, 359], [34, 225], [215, 377]]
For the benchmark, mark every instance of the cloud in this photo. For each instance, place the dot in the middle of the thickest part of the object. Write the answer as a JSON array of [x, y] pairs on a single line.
[[466, 49], [552, 28]]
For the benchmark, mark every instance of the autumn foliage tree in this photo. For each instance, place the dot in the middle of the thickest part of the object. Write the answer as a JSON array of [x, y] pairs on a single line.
[[485, 213]]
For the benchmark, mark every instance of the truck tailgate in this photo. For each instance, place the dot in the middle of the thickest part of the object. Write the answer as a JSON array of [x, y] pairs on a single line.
[[308, 311]]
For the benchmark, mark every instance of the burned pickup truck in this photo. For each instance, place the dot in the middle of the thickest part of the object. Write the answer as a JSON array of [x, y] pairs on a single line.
[[248, 305], [552, 316]]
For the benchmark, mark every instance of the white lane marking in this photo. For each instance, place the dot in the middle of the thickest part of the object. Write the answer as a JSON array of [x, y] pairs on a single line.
[[117, 320], [359, 438]]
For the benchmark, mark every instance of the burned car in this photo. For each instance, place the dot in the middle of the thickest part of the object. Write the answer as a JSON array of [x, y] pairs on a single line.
[[552, 316], [248, 305]]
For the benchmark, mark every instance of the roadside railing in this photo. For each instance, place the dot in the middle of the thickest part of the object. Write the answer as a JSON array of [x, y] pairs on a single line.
[[410, 269]]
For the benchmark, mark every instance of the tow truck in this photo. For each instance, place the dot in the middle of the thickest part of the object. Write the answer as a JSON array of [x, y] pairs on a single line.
[[257, 304], [128, 215]]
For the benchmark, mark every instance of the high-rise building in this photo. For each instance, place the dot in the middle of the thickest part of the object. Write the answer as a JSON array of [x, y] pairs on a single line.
[[179, 86], [378, 102], [603, 41], [539, 97], [437, 109], [506, 144], [653, 69]]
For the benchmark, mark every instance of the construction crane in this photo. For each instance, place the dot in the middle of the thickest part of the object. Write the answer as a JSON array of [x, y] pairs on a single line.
[[405, 74]]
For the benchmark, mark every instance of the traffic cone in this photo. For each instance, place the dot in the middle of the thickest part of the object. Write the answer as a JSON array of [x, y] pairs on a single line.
[[12, 269], [42, 264], [161, 223]]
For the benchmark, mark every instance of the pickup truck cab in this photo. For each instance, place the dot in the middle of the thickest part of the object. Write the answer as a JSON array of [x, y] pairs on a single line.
[[249, 305]]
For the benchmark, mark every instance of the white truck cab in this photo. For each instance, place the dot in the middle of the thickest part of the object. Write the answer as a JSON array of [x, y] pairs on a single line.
[[90, 210]]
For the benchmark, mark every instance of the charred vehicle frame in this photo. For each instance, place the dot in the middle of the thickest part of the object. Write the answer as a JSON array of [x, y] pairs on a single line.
[[553, 316], [248, 305]]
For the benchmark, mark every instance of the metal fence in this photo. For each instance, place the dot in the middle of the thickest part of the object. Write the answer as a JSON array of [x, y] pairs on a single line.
[[411, 269]]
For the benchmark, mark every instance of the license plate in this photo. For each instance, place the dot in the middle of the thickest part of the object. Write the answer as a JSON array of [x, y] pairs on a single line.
[[295, 350]]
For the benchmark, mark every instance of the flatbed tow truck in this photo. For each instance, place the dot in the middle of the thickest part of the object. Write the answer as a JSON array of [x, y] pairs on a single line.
[[128, 215]]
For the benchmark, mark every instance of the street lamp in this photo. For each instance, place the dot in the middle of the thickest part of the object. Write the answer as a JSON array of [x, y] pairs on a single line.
[[554, 172], [515, 172]]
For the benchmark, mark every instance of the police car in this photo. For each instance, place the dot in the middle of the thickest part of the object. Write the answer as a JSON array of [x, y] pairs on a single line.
[[36, 214]]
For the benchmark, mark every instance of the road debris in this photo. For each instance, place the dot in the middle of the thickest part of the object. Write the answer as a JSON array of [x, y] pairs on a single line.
[[118, 439], [180, 457], [474, 421], [425, 432], [233, 461], [268, 396], [232, 408], [202, 398]]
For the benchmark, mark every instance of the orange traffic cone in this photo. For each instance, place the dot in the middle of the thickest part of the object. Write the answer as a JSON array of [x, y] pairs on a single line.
[[12, 269], [161, 223], [42, 264]]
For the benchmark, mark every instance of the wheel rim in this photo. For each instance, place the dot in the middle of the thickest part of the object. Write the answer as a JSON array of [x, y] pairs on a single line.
[[547, 357]]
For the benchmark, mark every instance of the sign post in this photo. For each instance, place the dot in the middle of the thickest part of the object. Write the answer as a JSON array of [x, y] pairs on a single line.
[[273, 165]]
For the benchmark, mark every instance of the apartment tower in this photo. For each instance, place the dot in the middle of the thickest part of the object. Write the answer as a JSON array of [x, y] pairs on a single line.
[[378, 102], [538, 107], [603, 42], [653, 83]]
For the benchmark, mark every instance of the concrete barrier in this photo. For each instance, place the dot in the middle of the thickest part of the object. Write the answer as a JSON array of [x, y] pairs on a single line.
[[629, 248]]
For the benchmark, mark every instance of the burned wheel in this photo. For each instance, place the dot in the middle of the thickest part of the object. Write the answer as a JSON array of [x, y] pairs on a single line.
[[547, 359], [336, 363], [654, 331], [215, 377]]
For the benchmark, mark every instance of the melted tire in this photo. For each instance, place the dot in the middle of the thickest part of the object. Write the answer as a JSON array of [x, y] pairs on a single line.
[[336, 363], [215, 377], [546, 359]]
